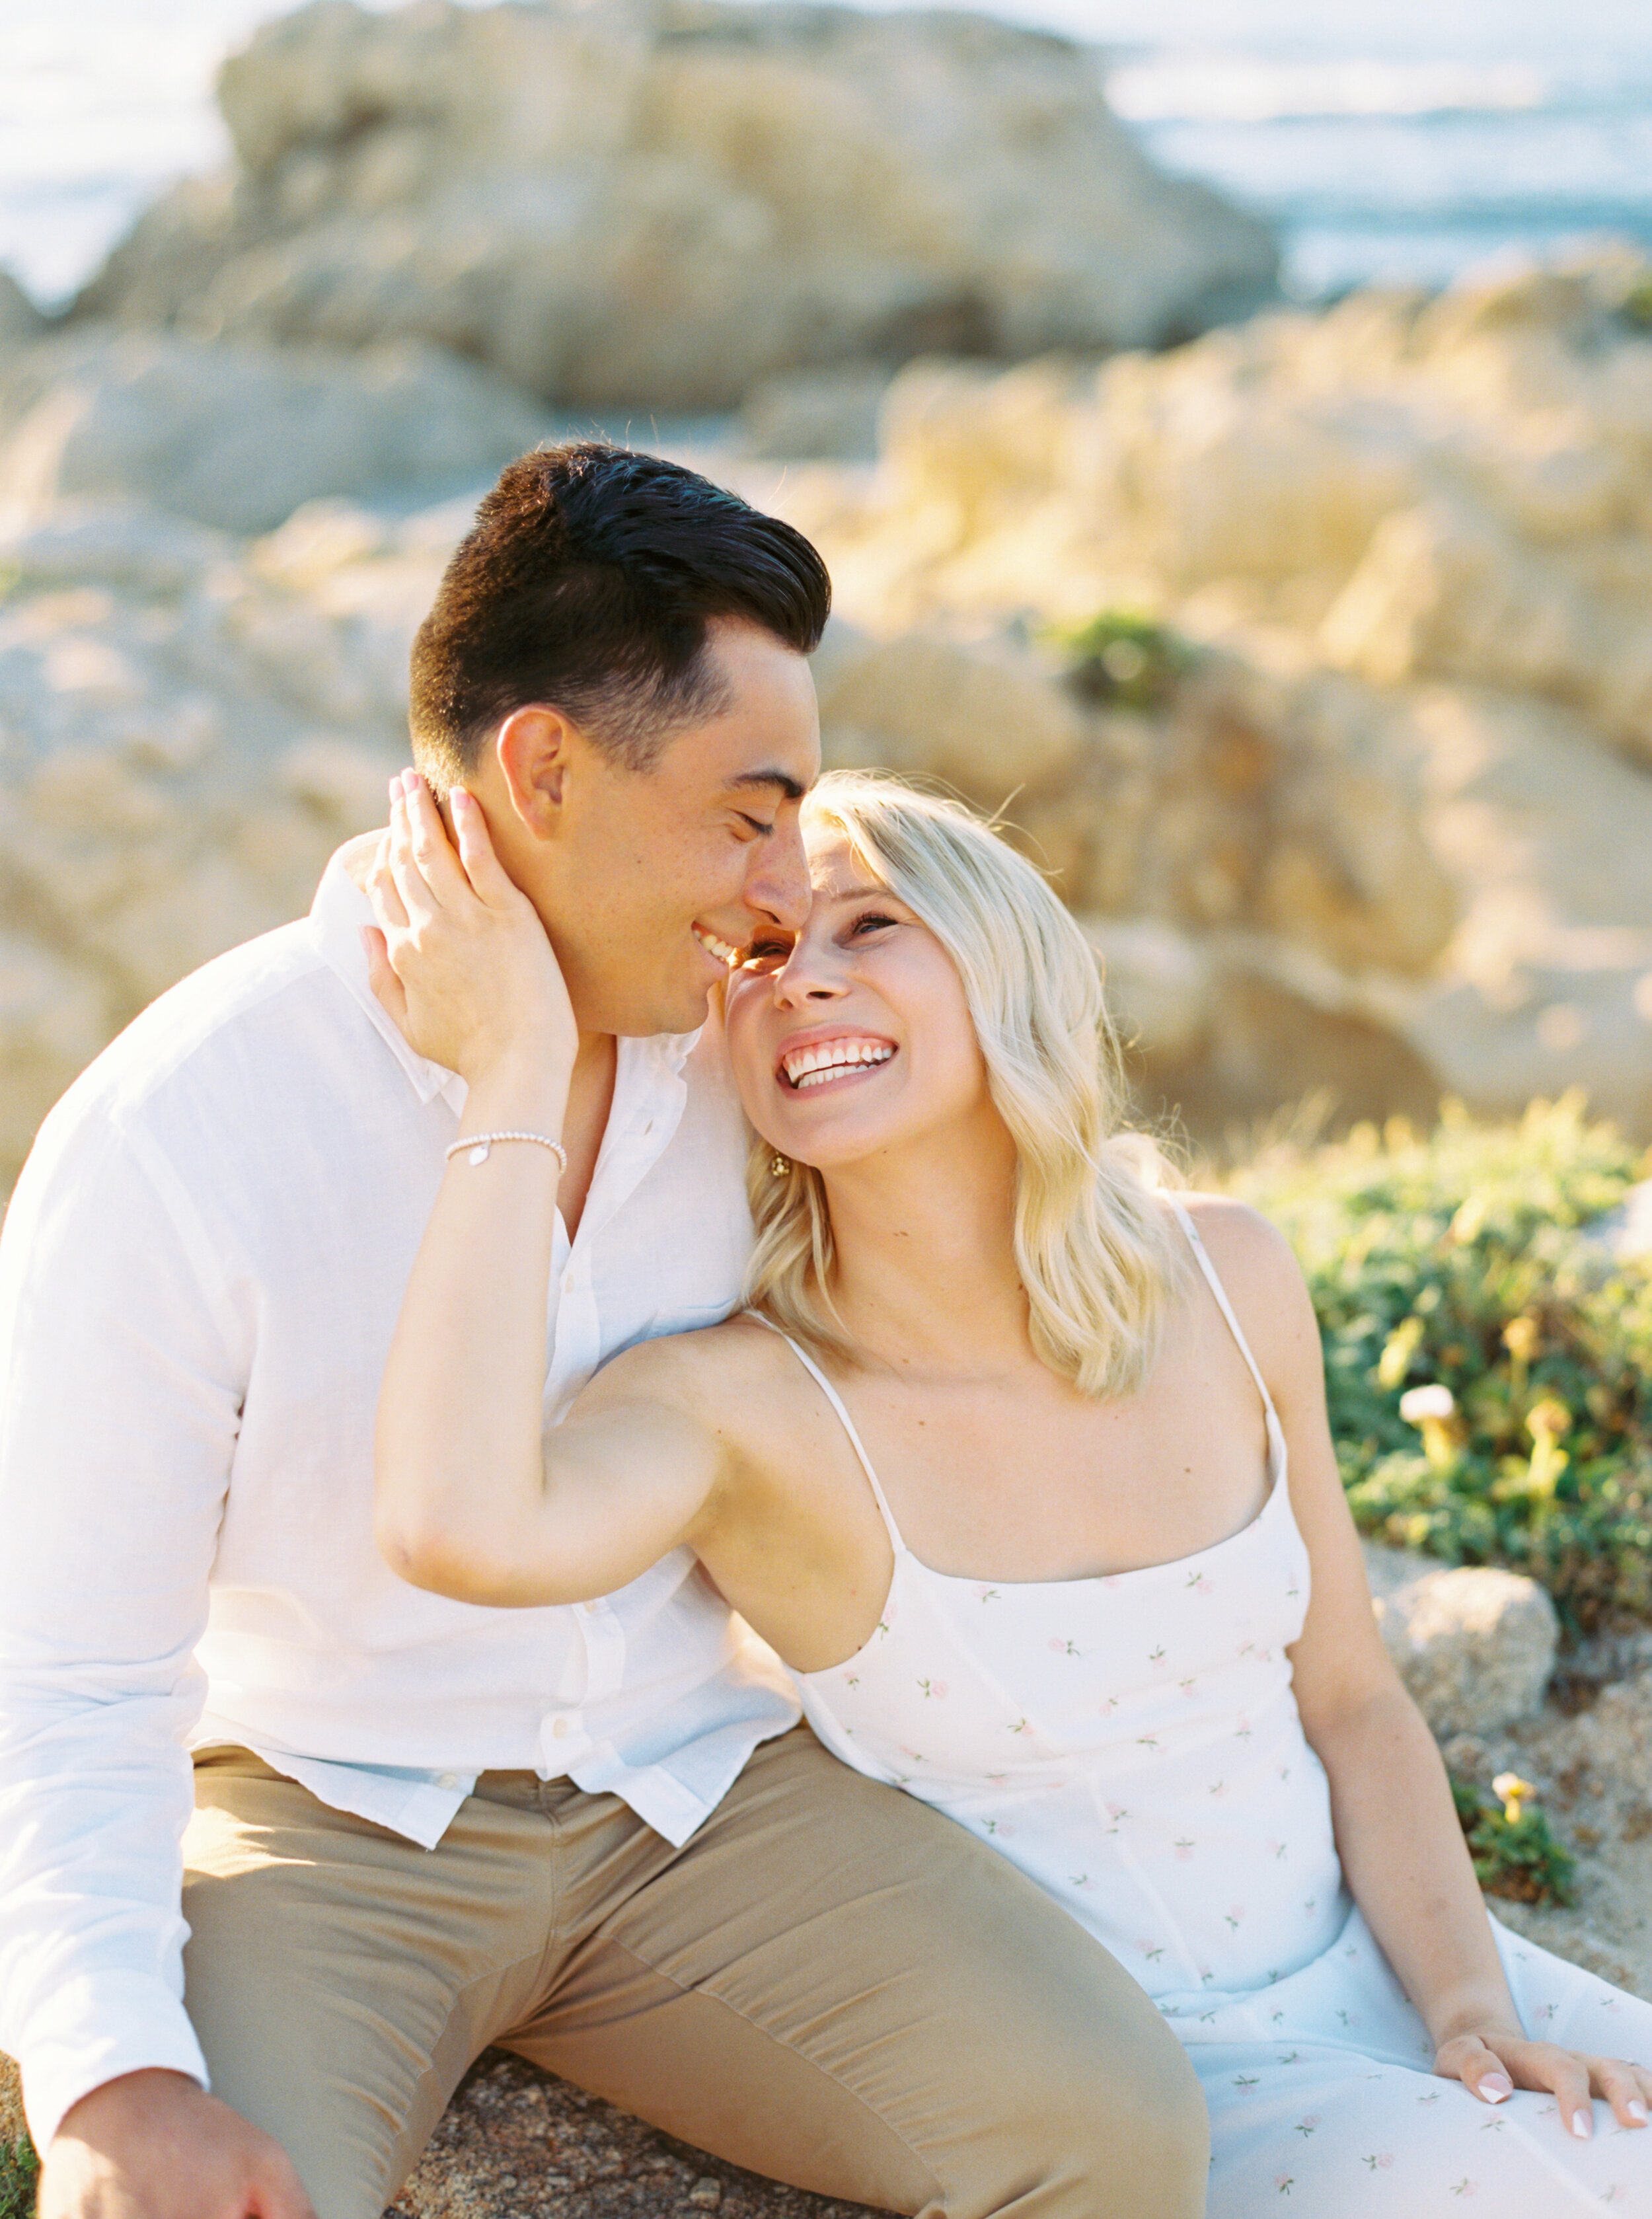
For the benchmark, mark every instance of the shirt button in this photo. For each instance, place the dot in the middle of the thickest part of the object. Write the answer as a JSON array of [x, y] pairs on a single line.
[[448, 1779], [568, 1284], [559, 1731]]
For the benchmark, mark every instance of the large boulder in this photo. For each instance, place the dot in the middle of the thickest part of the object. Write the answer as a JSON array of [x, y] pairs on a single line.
[[239, 436], [1243, 859], [1475, 1645], [620, 203], [1455, 489], [1399, 810], [192, 724]]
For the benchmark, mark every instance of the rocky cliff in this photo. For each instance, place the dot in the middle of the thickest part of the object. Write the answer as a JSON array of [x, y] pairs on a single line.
[[626, 203], [1387, 816]]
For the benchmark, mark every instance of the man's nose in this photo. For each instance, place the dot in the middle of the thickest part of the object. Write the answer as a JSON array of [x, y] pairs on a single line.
[[778, 887]]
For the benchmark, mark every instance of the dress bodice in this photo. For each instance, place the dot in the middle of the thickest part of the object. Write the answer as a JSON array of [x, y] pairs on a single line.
[[1131, 1741]]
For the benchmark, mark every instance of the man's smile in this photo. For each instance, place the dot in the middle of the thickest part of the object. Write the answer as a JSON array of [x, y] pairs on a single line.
[[721, 951]]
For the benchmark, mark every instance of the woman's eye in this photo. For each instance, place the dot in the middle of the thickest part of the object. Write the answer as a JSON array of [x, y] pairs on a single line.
[[766, 954], [871, 921]]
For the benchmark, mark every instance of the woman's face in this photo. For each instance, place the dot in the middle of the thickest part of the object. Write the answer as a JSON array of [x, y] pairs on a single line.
[[856, 1038]]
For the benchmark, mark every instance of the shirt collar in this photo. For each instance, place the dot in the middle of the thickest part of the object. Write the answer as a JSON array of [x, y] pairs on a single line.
[[339, 913]]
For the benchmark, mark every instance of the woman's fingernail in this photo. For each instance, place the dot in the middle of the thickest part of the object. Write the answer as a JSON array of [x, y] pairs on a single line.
[[1495, 2086], [1583, 2124], [1637, 2111]]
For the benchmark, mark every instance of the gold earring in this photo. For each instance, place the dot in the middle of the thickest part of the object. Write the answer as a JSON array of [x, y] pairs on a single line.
[[778, 1166]]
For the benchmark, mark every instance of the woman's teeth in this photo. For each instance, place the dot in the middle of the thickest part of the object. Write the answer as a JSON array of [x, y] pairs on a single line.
[[720, 948], [812, 1066]]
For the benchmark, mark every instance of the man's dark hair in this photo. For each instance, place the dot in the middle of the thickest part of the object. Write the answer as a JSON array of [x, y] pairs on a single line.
[[587, 582]]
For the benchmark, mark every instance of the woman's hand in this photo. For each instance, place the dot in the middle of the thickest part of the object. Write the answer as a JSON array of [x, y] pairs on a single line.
[[1493, 2059], [459, 957]]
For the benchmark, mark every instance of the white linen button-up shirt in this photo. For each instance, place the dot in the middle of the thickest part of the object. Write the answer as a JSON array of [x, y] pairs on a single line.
[[200, 1275]]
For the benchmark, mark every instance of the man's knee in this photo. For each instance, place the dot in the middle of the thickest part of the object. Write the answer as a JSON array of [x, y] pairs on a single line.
[[1117, 2112], [1146, 2140]]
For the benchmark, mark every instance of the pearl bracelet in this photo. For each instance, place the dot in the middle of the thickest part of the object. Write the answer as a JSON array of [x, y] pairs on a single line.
[[478, 1147]]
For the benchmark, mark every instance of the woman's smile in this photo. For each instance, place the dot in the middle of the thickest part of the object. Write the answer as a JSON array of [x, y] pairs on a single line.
[[807, 1065]]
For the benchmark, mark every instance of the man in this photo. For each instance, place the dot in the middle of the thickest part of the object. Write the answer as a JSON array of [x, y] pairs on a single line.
[[593, 1834]]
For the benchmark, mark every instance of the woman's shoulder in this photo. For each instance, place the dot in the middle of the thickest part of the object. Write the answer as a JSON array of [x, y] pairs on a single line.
[[1263, 1282], [721, 1374], [1236, 1235], [1254, 1261]]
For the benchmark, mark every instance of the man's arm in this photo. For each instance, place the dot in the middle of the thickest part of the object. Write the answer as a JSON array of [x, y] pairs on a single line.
[[120, 1400]]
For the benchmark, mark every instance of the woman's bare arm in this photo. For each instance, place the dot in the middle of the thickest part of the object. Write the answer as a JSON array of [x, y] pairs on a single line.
[[470, 1502], [1397, 1830]]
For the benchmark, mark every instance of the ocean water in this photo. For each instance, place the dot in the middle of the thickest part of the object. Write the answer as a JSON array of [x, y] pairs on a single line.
[[1404, 142]]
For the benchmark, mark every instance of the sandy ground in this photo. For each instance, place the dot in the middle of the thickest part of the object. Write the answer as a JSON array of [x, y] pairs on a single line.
[[514, 2141]]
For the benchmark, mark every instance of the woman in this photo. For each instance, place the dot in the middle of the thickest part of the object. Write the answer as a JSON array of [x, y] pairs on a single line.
[[1021, 1463]]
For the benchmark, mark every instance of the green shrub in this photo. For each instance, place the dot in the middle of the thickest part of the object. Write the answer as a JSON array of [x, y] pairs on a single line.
[[1453, 1261], [1121, 659], [20, 2173], [1636, 307], [1516, 1855]]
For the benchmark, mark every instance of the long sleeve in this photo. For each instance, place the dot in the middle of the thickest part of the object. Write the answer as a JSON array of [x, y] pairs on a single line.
[[119, 1410]]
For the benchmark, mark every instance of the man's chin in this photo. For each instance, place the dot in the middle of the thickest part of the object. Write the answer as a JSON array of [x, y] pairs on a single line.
[[687, 1015]]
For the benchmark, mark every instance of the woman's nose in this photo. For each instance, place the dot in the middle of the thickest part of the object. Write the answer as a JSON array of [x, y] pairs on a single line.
[[806, 975]]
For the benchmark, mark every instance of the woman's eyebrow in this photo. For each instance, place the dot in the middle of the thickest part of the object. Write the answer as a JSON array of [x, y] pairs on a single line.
[[858, 891]]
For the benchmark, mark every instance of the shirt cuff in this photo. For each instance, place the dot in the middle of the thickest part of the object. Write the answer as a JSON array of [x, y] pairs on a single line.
[[96, 2029]]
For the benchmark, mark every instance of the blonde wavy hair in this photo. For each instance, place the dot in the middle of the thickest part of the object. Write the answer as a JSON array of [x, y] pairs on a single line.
[[1095, 1246]]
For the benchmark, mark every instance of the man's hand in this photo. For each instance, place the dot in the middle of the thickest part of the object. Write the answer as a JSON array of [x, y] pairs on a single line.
[[154, 2145]]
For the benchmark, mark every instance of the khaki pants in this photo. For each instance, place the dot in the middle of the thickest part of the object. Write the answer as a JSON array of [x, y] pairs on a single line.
[[827, 1983]]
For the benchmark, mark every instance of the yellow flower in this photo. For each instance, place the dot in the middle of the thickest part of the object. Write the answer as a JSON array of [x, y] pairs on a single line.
[[1432, 1410], [1522, 1339], [1400, 1346], [1514, 1791]]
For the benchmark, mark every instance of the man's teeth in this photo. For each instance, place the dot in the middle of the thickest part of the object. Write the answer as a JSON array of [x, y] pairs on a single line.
[[720, 948], [812, 1066]]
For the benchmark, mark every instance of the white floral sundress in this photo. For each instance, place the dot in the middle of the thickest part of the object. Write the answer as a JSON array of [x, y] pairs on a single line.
[[1131, 1743]]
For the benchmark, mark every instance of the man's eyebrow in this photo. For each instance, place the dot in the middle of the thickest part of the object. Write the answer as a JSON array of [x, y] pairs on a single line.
[[781, 780]]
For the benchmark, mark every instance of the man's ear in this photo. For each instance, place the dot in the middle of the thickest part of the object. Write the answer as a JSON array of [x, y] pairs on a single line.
[[532, 749]]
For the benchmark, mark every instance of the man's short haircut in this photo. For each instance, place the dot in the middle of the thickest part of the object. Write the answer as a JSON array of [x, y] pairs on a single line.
[[587, 583]]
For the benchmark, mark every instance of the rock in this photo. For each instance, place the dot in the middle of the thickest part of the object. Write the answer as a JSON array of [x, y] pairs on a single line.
[[1450, 490], [829, 414], [1592, 1765], [1626, 1231], [991, 723], [1160, 986], [1613, 1740], [1401, 799], [617, 204], [189, 732], [1475, 1645], [1449, 588], [20, 319], [13, 2130], [1546, 982], [239, 436]]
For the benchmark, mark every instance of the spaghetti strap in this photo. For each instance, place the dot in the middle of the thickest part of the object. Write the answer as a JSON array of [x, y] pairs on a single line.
[[1201, 1256], [848, 1422]]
